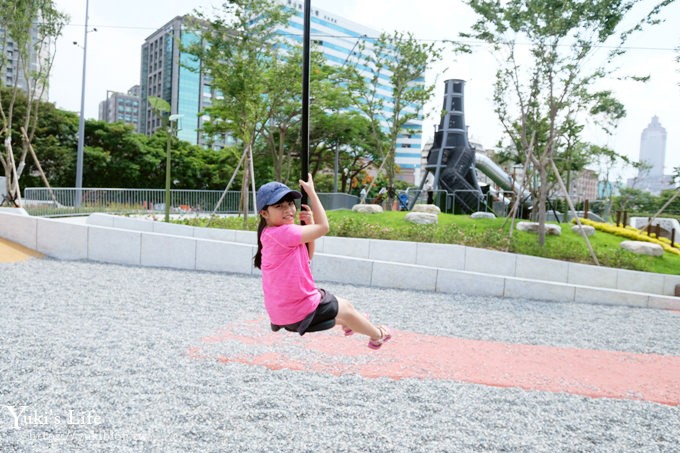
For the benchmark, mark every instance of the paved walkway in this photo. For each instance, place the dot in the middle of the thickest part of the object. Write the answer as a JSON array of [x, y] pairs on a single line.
[[11, 252]]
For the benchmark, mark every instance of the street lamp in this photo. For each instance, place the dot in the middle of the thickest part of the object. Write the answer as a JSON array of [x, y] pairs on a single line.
[[81, 122], [173, 127]]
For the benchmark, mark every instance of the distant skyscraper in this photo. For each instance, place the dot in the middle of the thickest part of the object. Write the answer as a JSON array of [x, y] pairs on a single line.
[[653, 147], [175, 76], [653, 153], [121, 107]]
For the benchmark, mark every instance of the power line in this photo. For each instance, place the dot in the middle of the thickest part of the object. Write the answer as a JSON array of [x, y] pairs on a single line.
[[345, 36]]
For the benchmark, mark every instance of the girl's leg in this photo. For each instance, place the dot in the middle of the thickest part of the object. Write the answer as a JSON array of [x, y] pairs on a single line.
[[349, 317]]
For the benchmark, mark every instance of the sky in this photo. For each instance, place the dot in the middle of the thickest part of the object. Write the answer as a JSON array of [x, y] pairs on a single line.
[[114, 52]]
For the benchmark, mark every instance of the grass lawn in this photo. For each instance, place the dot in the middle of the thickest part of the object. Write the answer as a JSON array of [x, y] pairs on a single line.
[[481, 233]]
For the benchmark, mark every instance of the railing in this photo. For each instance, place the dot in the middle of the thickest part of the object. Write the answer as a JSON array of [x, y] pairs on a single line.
[[58, 202]]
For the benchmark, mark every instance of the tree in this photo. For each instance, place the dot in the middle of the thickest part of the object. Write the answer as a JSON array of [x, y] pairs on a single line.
[[546, 82], [403, 60], [32, 26], [238, 50], [281, 130]]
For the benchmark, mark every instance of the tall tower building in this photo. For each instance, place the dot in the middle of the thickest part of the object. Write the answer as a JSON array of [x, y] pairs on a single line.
[[337, 39], [175, 76], [653, 147], [653, 153], [121, 107]]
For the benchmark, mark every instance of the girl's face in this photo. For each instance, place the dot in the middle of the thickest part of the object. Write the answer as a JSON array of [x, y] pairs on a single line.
[[281, 213]]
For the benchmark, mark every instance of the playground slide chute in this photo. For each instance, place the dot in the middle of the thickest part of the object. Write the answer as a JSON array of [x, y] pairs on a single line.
[[453, 162]]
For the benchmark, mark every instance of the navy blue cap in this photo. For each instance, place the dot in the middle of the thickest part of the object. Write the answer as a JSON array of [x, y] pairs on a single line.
[[272, 193]]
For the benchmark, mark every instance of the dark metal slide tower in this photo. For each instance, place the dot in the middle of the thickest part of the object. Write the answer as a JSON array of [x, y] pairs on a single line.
[[451, 159]]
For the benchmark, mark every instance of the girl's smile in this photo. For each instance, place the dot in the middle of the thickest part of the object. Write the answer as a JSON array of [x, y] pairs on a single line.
[[281, 213]]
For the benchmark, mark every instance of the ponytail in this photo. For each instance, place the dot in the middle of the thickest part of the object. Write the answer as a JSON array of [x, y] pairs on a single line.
[[257, 260]]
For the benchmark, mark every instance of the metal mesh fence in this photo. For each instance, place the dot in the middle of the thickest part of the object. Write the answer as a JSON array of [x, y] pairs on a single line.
[[70, 201]]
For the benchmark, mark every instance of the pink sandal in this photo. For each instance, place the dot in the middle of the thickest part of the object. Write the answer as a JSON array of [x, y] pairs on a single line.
[[384, 337]]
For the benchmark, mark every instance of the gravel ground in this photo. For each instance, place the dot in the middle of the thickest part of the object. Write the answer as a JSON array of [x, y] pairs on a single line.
[[97, 355]]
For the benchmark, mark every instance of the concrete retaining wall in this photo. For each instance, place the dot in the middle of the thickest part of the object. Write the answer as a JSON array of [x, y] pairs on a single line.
[[393, 264]]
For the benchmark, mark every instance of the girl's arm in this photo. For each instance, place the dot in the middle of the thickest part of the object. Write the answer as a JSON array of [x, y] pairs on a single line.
[[320, 226], [307, 218]]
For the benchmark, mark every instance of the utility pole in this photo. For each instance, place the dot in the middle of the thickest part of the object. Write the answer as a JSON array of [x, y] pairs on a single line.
[[81, 123]]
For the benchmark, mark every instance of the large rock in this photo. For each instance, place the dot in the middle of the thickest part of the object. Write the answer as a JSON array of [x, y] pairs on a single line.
[[483, 215], [642, 248], [532, 227], [422, 218], [369, 208], [429, 208], [587, 229]]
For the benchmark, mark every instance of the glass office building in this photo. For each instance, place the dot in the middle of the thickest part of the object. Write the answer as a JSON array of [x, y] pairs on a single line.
[[337, 39], [189, 92], [176, 77]]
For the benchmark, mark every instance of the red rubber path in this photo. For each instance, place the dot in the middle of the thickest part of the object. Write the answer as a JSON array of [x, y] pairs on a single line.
[[587, 372]]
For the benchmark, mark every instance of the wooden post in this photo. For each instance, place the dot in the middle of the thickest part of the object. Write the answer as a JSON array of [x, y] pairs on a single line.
[[585, 210], [625, 218], [658, 230], [649, 226], [618, 217]]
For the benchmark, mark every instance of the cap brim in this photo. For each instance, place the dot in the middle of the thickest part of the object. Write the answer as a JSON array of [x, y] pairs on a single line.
[[281, 194]]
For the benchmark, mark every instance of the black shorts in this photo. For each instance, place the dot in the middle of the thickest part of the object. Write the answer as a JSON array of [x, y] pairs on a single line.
[[326, 310]]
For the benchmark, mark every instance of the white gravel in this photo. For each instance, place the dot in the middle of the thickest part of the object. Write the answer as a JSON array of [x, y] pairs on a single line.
[[106, 345]]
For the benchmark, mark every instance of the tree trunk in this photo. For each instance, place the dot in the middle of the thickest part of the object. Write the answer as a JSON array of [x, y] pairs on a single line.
[[542, 202], [245, 201]]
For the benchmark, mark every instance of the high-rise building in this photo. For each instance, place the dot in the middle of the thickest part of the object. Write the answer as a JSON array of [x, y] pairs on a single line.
[[175, 76], [121, 107], [653, 147], [653, 153], [337, 39], [13, 72]]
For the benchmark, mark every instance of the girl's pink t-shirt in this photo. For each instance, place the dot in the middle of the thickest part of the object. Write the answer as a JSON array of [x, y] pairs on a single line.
[[290, 293]]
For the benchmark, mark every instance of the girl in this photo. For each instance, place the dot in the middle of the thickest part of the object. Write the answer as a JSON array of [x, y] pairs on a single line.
[[284, 249]]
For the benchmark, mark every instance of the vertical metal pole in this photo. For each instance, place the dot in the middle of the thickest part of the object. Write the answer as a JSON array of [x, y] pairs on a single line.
[[81, 123], [335, 169], [168, 179], [304, 154]]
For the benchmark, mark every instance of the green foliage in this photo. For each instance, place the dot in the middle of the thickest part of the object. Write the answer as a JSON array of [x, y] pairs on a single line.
[[548, 78], [238, 49], [32, 28], [403, 59]]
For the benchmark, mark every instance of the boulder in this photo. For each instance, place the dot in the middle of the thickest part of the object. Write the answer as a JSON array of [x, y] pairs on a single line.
[[369, 208], [429, 208], [422, 218], [642, 248], [532, 227], [587, 229], [483, 215]]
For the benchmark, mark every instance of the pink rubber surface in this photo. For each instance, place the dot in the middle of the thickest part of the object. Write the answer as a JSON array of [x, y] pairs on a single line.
[[587, 372]]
